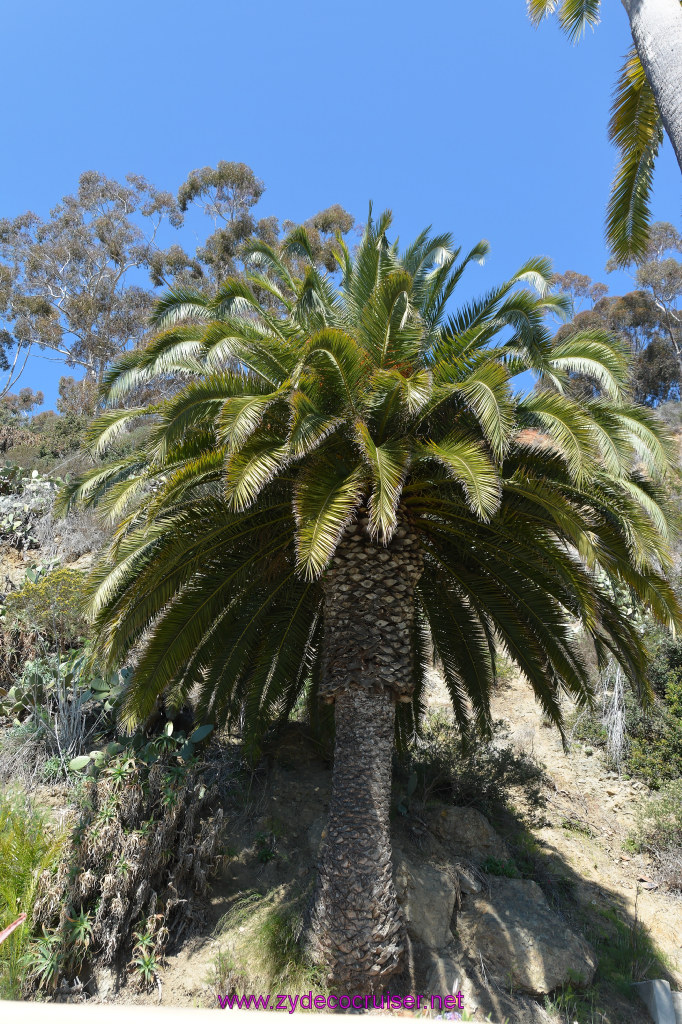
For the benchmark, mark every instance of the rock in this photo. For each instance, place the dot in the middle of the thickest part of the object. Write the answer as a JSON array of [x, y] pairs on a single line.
[[468, 883], [657, 997], [524, 942], [464, 831], [447, 977], [427, 896], [677, 1006], [449, 971]]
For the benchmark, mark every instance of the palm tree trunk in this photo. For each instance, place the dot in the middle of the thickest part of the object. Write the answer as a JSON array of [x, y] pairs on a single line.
[[355, 928], [656, 27]]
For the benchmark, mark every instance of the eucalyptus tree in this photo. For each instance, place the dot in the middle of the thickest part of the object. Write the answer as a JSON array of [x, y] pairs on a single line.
[[647, 103], [65, 282], [348, 484], [74, 283]]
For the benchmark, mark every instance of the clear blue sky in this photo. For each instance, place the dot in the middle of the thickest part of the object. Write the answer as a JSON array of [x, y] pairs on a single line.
[[451, 113]]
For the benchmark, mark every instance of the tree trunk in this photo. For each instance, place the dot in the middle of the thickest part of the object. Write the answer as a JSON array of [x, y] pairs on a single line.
[[656, 27], [355, 928]]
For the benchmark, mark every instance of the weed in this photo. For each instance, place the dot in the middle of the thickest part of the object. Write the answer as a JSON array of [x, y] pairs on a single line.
[[485, 776], [80, 929], [43, 961], [573, 823], [146, 967], [501, 868], [132, 864], [29, 845], [265, 845], [659, 830], [263, 953]]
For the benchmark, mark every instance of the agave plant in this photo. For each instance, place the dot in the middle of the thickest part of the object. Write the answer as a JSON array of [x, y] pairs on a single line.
[[346, 483]]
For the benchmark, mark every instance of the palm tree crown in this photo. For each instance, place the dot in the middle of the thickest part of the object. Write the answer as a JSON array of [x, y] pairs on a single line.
[[635, 127], [299, 408]]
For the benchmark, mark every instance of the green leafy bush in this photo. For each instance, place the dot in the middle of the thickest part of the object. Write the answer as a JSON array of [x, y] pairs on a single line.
[[29, 846], [437, 767], [656, 737], [500, 868], [659, 831], [52, 605], [659, 825], [67, 705]]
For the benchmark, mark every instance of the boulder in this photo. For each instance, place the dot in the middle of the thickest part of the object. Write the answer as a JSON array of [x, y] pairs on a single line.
[[522, 941], [468, 877], [447, 977], [427, 894], [465, 832], [658, 999], [450, 971]]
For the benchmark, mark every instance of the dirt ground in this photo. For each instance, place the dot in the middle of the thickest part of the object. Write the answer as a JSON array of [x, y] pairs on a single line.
[[599, 809], [583, 827]]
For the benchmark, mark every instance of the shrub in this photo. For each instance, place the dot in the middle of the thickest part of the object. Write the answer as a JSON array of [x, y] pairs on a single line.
[[69, 538], [659, 830], [653, 738], [29, 846], [656, 737], [659, 825], [500, 868], [23, 498], [263, 950], [139, 857], [436, 766], [66, 705], [51, 606]]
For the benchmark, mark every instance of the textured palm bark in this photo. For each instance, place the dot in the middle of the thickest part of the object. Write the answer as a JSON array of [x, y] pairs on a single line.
[[368, 614], [355, 929], [656, 27]]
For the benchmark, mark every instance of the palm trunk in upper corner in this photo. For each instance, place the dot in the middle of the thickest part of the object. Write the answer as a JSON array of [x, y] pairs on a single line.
[[656, 27], [355, 929]]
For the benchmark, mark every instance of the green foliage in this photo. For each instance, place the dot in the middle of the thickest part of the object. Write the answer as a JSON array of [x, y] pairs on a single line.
[[29, 845], [626, 954], [139, 855], [657, 376], [144, 965], [23, 497], [656, 738], [184, 747], [659, 825], [500, 868], [11, 479], [293, 416], [635, 128], [52, 605], [653, 735], [265, 844], [437, 767], [265, 956]]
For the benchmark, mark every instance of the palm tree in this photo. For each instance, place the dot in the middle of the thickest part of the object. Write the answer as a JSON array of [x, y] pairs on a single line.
[[347, 484], [647, 101]]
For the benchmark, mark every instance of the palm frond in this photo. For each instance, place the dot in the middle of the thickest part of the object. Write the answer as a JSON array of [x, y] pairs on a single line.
[[324, 503], [636, 129]]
